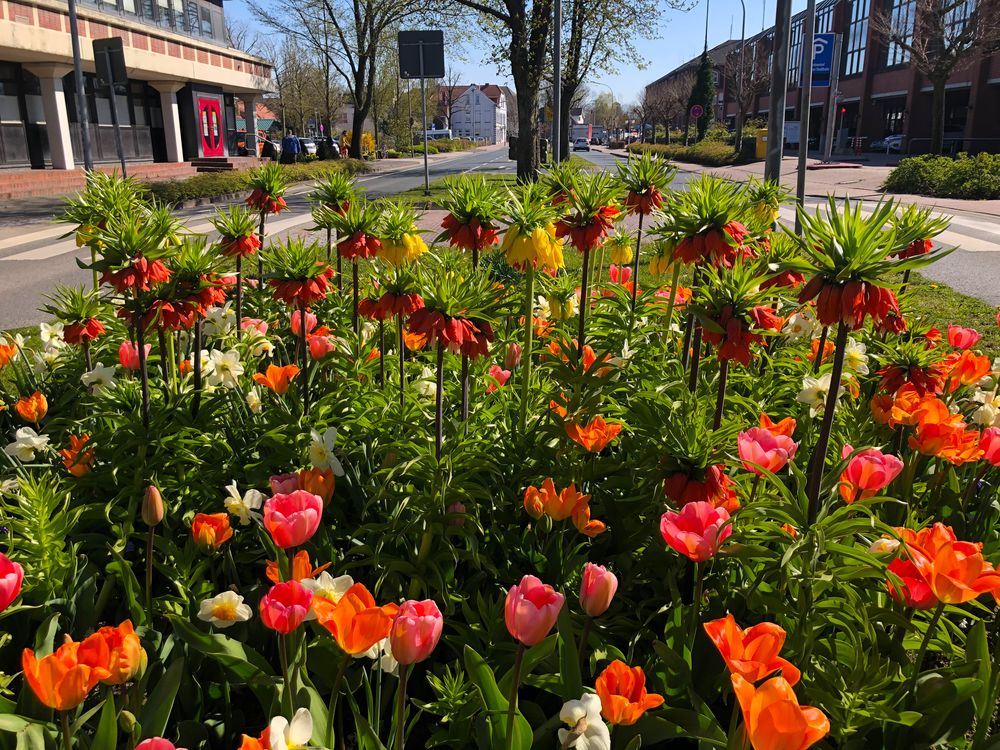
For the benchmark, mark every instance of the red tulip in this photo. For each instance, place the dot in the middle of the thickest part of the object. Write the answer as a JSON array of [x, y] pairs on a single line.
[[531, 610], [697, 531], [11, 577], [415, 631], [597, 589], [916, 592], [285, 606], [293, 519], [867, 472], [765, 449], [128, 354], [962, 338], [989, 444], [296, 322]]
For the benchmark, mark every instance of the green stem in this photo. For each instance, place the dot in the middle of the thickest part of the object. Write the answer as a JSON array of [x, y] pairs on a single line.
[[584, 304], [67, 733], [526, 351], [514, 685], [149, 573], [699, 587], [93, 261], [584, 637], [286, 694], [401, 708], [918, 664], [819, 452], [334, 695], [673, 294]]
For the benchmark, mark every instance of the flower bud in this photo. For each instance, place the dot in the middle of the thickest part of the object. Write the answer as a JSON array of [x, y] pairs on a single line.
[[127, 721], [457, 510], [597, 589], [152, 507], [513, 357]]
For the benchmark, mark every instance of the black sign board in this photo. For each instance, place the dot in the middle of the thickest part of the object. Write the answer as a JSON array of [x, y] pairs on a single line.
[[109, 58], [421, 54]]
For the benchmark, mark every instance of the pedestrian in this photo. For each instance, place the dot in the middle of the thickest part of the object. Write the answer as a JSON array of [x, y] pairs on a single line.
[[290, 148], [344, 144]]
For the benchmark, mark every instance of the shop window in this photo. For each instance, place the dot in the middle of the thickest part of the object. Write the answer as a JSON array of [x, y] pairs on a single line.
[[138, 91]]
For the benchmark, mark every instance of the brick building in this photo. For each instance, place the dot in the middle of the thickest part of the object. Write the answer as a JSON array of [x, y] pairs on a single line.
[[180, 101], [880, 93]]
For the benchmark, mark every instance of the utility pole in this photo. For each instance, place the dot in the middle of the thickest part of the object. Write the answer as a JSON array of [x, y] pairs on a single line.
[[779, 90], [556, 80], [831, 107], [82, 113], [805, 105]]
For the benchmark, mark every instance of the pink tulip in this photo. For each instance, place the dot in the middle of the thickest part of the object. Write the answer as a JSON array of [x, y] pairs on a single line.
[[259, 326], [284, 484], [415, 631], [619, 275], [867, 473], [597, 589], [128, 354], [500, 377], [320, 346], [989, 443], [765, 448], [456, 509], [292, 519], [285, 606], [513, 356], [297, 322], [531, 610], [157, 743], [963, 338], [11, 577], [697, 531]]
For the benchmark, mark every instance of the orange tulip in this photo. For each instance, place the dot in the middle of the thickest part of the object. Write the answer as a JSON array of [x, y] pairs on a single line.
[[784, 427], [320, 482], [414, 341], [622, 690], [355, 622], [751, 653], [301, 568], [774, 719], [127, 658], [569, 503], [277, 378], [257, 743], [32, 408], [211, 530], [7, 353], [967, 369], [955, 571], [595, 436], [62, 679], [77, 461], [538, 499], [583, 523]]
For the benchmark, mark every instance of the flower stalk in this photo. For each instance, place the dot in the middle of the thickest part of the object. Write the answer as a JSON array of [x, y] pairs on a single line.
[[819, 454], [514, 685], [635, 265], [401, 708], [526, 351]]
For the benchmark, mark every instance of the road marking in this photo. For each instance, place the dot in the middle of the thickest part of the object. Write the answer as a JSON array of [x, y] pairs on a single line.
[[43, 234]]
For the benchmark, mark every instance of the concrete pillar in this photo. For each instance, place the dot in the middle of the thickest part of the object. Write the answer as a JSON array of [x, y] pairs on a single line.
[[171, 117], [250, 116], [56, 116]]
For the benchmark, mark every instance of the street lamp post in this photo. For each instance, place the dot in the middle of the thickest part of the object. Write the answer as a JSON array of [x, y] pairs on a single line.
[[612, 92], [82, 115], [741, 80]]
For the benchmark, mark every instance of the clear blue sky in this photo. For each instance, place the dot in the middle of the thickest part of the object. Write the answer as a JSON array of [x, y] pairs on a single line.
[[682, 37]]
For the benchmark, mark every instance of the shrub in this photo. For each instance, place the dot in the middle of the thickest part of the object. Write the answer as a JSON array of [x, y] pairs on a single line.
[[972, 177], [616, 144], [213, 184], [709, 153]]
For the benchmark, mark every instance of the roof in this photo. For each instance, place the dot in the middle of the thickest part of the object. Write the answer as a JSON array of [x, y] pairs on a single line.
[[491, 90], [717, 55]]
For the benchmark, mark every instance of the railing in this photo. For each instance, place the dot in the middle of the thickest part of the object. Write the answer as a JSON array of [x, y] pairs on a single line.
[[954, 145]]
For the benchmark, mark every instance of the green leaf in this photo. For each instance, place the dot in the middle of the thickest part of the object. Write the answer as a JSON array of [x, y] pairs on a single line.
[[33, 737], [367, 739], [160, 703], [496, 704], [107, 729], [569, 662]]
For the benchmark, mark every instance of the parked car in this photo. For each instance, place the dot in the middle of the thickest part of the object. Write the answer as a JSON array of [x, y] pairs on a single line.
[[891, 143], [581, 144], [308, 146]]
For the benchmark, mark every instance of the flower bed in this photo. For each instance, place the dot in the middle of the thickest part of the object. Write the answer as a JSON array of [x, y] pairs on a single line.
[[452, 496]]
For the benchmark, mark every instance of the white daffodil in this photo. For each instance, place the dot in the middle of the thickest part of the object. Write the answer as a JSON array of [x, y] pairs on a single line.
[[426, 384], [285, 735], [321, 451], [587, 730], [26, 442], [801, 325], [44, 361], [856, 357], [382, 652], [988, 413], [326, 586], [367, 330], [224, 610], [814, 392], [51, 335], [259, 345], [883, 546], [100, 379], [220, 320], [244, 506], [253, 401], [225, 368], [542, 308]]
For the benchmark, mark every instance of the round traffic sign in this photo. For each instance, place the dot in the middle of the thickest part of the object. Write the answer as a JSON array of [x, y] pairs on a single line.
[[697, 111]]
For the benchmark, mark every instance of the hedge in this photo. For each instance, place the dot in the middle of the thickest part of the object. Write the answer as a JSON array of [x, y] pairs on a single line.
[[709, 153], [972, 177], [213, 184]]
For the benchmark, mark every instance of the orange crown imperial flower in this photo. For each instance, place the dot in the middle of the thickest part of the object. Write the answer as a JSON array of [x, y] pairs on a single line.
[[78, 461], [301, 568]]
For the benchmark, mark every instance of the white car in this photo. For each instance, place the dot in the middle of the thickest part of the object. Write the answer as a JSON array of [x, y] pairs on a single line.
[[891, 143], [581, 144]]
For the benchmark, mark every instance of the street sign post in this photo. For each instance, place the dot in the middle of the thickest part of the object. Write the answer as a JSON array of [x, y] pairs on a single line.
[[109, 59], [822, 66], [697, 111], [421, 55]]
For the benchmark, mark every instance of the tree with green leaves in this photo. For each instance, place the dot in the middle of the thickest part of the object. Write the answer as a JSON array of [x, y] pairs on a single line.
[[703, 93]]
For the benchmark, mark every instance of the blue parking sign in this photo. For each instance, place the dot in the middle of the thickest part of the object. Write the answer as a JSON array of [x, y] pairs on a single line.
[[822, 59]]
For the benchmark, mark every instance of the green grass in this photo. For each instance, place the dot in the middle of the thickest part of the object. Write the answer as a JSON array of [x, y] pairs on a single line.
[[438, 190], [940, 305]]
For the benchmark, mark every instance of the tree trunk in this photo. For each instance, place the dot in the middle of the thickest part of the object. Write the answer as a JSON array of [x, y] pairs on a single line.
[[937, 115], [527, 126], [357, 126], [738, 136], [568, 92]]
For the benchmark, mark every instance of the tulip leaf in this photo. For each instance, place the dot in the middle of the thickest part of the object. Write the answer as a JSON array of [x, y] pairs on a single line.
[[569, 658], [32, 737], [107, 727], [532, 656], [10, 722], [160, 703], [367, 739], [496, 704]]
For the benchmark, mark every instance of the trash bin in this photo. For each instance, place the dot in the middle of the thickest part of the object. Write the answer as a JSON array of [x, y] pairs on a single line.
[[761, 150]]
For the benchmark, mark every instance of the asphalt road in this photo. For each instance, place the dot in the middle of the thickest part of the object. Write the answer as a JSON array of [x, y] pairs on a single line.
[[34, 259]]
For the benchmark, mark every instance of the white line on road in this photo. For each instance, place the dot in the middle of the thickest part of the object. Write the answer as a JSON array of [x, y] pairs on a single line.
[[43, 234]]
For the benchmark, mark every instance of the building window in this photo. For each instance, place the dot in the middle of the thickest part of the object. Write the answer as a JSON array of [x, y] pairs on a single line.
[[857, 37], [956, 18], [893, 113], [903, 14], [824, 18], [795, 52], [10, 110]]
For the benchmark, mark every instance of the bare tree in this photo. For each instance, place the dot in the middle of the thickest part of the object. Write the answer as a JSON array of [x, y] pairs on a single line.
[[941, 37], [748, 74], [240, 36], [669, 99], [448, 93]]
